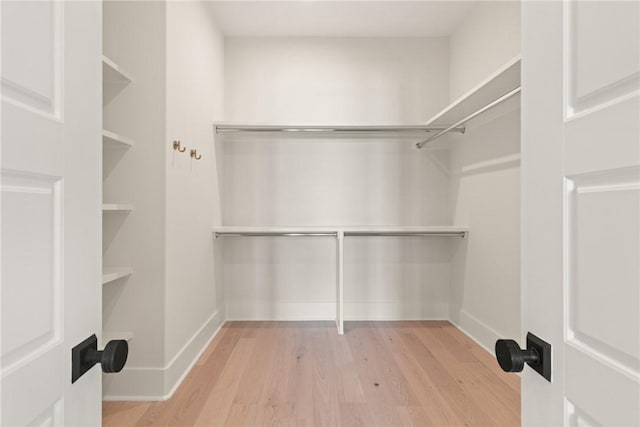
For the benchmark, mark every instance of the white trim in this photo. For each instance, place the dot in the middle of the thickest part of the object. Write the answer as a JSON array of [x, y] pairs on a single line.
[[478, 331], [148, 384], [280, 311], [394, 310]]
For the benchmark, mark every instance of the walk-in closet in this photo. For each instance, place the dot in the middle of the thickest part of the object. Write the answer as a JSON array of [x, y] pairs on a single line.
[[344, 172]]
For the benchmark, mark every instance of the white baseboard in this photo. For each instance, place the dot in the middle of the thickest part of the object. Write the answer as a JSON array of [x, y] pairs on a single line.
[[149, 384], [478, 331], [280, 311], [397, 310]]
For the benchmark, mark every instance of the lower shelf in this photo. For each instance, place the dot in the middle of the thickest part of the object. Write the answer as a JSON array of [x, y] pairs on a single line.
[[391, 231], [110, 274]]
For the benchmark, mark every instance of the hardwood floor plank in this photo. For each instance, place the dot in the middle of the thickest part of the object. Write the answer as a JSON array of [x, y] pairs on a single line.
[[324, 380], [242, 415], [487, 359], [355, 414], [464, 368], [121, 413], [253, 380], [187, 402], [275, 392], [300, 392], [349, 386], [436, 408], [447, 384], [220, 399]]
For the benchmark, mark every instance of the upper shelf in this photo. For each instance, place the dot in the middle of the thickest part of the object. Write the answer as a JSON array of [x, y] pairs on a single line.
[[499, 83], [411, 130], [498, 87], [114, 79]]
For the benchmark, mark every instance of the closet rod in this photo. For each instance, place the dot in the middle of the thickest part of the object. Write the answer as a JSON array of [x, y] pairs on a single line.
[[271, 234], [461, 234], [469, 117], [336, 129]]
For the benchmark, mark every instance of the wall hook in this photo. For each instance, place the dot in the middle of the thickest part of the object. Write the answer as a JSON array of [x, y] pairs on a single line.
[[195, 155], [176, 146]]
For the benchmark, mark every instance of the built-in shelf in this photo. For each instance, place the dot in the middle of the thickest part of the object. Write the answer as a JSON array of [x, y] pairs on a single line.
[[112, 140], [499, 86], [439, 230], [114, 79], [110, 274], [116, 207], [110, 336]]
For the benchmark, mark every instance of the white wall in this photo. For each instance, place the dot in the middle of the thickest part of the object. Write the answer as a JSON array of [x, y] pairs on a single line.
[[195, 54], [171, 303], [273, 180], [485, 184], [134, 37], [486, 39]]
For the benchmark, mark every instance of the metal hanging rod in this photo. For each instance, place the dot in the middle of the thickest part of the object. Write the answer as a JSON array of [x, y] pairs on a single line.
[[461, 234], [270, 234], [334, 129], [469, 117]]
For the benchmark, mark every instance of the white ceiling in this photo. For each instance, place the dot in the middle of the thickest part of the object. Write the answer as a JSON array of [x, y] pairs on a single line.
[[326, 18]]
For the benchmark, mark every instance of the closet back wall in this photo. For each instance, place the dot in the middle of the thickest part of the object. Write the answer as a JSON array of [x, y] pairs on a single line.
[[284, 180]]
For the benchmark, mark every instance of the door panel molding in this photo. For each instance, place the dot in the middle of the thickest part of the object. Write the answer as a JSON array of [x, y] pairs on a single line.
[[33, 81]]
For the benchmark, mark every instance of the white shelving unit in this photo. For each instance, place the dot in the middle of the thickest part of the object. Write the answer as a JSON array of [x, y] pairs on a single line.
[[111, 274], [113, 140], [340, 233], [116, 207], [114, 80], [501, 85]]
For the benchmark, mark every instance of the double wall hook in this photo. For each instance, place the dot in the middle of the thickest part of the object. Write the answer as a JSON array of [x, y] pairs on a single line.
[[176, 146], [195, 155]]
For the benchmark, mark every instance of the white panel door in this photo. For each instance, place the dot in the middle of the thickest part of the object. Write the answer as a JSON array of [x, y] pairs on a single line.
[[581, 210], [51, 188]]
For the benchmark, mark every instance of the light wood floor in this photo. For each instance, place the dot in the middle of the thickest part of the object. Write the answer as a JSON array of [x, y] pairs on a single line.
[[305, 374]]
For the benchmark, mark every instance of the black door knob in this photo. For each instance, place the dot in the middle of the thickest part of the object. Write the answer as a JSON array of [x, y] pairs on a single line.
[[85, 355], [512, 358], [112, 358], [537, 355]]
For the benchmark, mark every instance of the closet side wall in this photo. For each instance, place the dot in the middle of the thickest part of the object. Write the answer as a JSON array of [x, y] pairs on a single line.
[[485, 185], [193, 313], [134, 37], [277, 179], [486, 39]]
